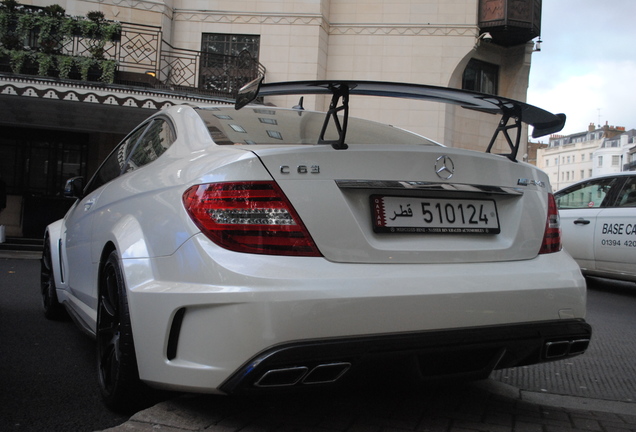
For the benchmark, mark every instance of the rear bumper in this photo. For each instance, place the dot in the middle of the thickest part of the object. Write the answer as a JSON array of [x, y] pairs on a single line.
[[460, 353], [205, 316]]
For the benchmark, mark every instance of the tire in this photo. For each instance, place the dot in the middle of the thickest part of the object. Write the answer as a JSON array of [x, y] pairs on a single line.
[[53, 310], [118, 375]]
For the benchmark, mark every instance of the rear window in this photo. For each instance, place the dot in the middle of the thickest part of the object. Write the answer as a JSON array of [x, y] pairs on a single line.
[[266, 125]]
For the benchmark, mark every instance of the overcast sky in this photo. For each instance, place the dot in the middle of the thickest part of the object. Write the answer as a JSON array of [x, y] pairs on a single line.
[[587, 63]]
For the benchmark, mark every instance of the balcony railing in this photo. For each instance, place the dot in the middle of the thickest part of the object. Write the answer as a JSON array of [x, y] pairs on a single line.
[[138, 56]]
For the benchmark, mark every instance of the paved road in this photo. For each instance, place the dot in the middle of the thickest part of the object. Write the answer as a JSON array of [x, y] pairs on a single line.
[[608, 369], [47, 382], [47, 369]]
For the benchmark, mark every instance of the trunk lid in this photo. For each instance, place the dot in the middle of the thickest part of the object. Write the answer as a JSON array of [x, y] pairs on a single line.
[[481, 207]]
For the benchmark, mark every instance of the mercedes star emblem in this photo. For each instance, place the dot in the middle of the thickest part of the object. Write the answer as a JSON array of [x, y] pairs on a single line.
[[444, 167]]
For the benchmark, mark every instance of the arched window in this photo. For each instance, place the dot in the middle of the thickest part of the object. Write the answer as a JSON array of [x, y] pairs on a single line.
[[481, 77]]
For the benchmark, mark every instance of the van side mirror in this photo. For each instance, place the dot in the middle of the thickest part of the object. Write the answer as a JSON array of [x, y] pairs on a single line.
[[74, 187]]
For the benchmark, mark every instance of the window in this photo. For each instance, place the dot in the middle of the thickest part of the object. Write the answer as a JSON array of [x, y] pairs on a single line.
[[154, 142], [142, 146], [481, 76], [582, 157], [227, 61], [589, 194], [547, 162], [616, 160], [275, 134], [627, 197], [600, 161], [230, 44], [113, 165]]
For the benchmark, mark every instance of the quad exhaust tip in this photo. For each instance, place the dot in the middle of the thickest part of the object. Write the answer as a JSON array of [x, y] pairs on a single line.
[[321, 374], [331, 372], [554, 350]]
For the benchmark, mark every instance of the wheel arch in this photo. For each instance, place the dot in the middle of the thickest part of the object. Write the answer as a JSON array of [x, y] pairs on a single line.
[[108, 248]]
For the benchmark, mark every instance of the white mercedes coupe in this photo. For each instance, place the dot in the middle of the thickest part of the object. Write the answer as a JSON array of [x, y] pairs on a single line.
[[248, 248]]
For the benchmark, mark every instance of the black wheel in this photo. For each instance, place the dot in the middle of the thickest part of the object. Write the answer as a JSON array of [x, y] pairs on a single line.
[[53, 310], [118, 375]]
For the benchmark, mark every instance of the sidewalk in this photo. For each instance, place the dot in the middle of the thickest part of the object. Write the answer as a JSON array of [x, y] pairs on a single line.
[[482, 406]]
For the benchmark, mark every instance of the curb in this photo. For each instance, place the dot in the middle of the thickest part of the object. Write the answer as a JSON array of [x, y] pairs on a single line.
[[556, 400]]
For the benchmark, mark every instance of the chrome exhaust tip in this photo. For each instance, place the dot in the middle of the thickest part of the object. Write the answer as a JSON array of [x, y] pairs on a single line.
[[326, 373], [557, 349], [579, 346], [290, 376], [282, 377]]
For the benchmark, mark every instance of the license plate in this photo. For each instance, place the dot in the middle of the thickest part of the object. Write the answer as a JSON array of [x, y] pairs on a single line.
[[434, 215]]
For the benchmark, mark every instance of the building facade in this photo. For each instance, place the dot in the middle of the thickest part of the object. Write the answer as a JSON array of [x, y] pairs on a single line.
[[600, 150], [177, 51]]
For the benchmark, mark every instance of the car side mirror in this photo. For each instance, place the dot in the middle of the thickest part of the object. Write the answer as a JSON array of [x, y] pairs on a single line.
[[74, 187]]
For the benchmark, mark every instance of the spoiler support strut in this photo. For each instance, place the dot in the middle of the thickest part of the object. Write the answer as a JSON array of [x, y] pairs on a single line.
[[339, 91], [513, 113]]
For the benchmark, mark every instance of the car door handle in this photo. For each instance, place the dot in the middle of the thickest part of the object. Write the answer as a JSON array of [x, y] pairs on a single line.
[[581, 222]]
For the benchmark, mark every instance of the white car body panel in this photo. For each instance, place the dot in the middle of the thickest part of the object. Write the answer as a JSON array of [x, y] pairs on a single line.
[[607, 245], [201, 314], [617, 227], [578, 234]]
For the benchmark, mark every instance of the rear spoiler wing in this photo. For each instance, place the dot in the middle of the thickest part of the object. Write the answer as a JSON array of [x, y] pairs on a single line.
[[513, 112]]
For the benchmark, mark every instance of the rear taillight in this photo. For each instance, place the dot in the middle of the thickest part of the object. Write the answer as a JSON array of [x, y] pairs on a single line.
[[552, 236], [252, 217]]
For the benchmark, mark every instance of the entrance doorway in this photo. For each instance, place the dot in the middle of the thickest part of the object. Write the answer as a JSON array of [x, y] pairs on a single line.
[[34, 165]]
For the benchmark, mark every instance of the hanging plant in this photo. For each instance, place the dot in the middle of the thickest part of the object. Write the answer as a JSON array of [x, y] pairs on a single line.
[[4, 23], [52, 30], [17, 60], [45, 63], [64, 65], [26, 23], [67, 27], [108, 71], [84, 64], [111, 31], [49, 37], [87, 28]]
